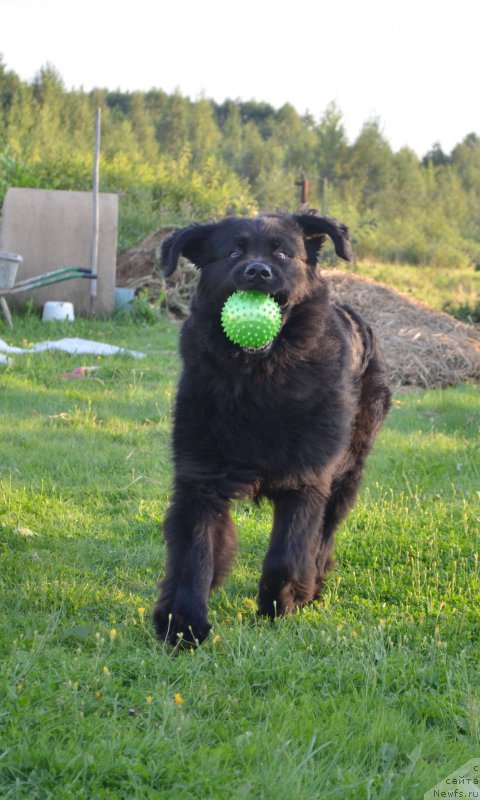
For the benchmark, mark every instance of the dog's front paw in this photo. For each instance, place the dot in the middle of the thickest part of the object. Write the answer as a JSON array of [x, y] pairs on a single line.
[[186, 627], [273, 607], [279, 598]]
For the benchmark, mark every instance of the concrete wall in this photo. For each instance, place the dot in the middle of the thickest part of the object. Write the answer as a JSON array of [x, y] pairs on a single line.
[[52, 229]]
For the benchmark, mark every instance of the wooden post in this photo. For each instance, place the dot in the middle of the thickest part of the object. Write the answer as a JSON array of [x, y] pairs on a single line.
[[6, 312], [304, 184], [96, 211]]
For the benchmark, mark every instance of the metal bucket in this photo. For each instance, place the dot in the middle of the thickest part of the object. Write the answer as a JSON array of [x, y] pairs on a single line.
[[8, 269]]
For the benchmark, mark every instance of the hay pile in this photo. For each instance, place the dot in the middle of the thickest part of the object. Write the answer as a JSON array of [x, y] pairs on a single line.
[[422, 347], [139, 269]]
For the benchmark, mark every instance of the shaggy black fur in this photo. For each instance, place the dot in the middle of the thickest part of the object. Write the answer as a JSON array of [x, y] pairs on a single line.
[[292, 422]]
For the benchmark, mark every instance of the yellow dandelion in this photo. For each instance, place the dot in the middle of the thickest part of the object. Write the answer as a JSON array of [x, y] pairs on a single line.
[[339, 626], [216, 639], [178, 699], [149, 698], [239, 616], [75, 685], [354, 633], [98, 695], [106, 671], [191, 650], [113, 634], [141, 614], [249, 602]]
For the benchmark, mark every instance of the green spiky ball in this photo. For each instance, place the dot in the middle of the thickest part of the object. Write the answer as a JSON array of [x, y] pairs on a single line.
[[251, 319]]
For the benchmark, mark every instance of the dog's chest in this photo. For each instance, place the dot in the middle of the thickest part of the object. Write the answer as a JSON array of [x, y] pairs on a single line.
[[275, 427]]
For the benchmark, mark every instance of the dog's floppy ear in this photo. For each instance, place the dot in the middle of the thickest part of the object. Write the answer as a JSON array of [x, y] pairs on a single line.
[[316, 229], [187, 242]]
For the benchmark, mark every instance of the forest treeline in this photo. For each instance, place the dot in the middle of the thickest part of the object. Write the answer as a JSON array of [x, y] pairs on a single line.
[[172, 159]]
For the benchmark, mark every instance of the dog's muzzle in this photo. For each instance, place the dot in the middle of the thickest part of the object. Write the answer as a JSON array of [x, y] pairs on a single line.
[[261, 277]]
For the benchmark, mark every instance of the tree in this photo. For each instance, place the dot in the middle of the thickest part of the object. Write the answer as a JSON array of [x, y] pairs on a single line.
[[333, 148], [173, 126], [262, 115], [297, 141], [204, 133], [229, 120], [371, 163], [143, 128], [436, 156], [10, 85], [21, 123], [465, 159], [47, 83]]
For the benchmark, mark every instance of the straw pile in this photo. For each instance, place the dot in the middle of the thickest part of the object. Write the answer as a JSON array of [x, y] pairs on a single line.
[[422, 347], [139, 269]]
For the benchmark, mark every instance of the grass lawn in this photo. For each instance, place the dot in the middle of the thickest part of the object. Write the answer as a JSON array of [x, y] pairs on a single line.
[[373, 694]]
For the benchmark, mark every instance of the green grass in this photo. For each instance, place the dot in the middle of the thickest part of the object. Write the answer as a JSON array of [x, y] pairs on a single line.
[[374, 694], [456, 291]]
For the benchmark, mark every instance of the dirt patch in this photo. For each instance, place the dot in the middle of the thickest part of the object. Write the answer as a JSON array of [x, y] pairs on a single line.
[[422, 347]]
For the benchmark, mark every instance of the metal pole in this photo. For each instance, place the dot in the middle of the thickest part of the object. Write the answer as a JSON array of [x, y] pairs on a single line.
[[96, 210]]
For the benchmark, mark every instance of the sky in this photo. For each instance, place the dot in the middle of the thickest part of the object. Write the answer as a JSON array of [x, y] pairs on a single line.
[[412, 64]]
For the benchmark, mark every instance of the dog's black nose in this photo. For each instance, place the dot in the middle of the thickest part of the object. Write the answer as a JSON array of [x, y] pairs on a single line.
[[258, 270]]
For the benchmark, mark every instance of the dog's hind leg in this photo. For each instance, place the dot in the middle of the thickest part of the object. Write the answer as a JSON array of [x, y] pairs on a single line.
[[339, 504], [373, 408]]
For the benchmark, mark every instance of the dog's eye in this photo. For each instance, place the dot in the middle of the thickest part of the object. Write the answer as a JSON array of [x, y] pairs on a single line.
[[281, 254], [234, 254]]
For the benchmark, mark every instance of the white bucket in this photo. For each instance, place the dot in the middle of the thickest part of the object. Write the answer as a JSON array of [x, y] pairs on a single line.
[[58, 310]]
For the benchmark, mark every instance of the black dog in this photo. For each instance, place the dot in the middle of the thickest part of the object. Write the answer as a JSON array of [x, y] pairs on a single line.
[[292, 422]]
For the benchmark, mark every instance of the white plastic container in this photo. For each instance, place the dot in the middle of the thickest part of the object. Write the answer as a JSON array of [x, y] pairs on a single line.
[[8, 269], [56, 310]]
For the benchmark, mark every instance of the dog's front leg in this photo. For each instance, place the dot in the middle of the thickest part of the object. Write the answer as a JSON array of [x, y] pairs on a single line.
[[190, 533], [289, 569]]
